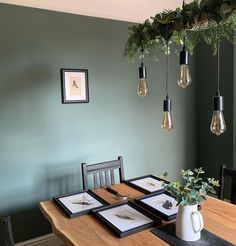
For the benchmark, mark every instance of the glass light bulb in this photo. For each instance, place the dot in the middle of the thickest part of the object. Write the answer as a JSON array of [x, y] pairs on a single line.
[[167, 121], [142, 87], [184, 76], [218, 123]]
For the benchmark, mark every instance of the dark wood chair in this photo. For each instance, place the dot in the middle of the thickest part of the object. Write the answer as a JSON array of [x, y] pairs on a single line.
[[7, 231], [103, 173], [226, 172]]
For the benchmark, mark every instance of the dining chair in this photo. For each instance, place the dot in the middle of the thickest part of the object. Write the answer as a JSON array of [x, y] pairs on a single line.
[[7, 231], [103, 173], [226, 172]]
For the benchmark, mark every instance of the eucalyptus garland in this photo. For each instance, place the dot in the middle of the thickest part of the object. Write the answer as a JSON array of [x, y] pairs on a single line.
[[198, 20]]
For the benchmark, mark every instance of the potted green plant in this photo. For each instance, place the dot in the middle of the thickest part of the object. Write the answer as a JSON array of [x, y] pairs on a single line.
[[189, 193]]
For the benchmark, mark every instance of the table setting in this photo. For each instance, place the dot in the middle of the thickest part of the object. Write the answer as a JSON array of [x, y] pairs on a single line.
[[144, 208]]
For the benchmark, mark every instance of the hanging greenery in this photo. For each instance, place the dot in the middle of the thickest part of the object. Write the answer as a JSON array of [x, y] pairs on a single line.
[[198, 20]]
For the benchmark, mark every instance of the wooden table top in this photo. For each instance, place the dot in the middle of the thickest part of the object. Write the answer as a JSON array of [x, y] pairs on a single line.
[[219, 218]]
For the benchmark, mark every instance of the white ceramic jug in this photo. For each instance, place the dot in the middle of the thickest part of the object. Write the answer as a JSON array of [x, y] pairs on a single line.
[[189, 223]]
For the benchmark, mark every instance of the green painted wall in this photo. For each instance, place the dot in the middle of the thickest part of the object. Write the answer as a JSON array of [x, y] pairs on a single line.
[[213, 150], [43, 142]]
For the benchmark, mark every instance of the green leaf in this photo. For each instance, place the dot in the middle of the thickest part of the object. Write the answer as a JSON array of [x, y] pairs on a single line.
[[193, 188], [186, 22]]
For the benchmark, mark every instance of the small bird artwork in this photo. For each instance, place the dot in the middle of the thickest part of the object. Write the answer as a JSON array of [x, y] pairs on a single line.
[[124, 217], [82, 201], [167, 204], [150, 184]]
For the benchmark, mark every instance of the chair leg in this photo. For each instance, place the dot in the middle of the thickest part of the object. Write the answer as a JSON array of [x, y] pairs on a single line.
[[7, 231], [233, 192], [222, 181]]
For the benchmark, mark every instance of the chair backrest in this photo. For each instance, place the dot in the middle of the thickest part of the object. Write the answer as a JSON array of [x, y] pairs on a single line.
[[7, 231], [103, 173], [226, 172]]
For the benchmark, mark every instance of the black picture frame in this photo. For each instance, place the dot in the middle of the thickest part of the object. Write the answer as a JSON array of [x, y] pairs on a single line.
[[145, 191], [154, 221], [62, 203], [160, 212], [74, 85]]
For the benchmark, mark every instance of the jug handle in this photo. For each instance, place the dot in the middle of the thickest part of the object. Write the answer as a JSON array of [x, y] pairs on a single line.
[[200, 220]]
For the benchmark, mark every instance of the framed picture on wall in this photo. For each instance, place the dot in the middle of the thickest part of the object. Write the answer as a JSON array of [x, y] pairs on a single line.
[[74, 85]]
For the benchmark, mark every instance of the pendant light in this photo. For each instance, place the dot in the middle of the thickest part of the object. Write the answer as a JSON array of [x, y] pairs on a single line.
[[167, 122], [218, 125], [184, 74], [142, 89]]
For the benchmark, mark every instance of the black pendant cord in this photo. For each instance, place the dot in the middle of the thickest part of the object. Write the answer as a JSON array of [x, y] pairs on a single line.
[[167, 67], [142, 60], [218, 99], [185, 24], [218, 65], [184, 42], [142, 55]]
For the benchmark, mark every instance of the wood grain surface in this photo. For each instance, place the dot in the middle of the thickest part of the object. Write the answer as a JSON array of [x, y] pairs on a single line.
[[219, 218]]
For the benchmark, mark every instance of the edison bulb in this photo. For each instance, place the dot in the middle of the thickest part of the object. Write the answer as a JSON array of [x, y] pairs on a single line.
[[184, 76], [167, 122], [142, 87], [218, 123]]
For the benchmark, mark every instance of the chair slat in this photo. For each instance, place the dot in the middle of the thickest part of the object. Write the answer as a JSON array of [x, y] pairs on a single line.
[[95, 181], [101, 179], [112, 177], [107, 178]]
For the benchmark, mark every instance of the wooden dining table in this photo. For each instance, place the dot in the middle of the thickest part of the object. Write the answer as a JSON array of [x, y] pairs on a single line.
[[219, 218]]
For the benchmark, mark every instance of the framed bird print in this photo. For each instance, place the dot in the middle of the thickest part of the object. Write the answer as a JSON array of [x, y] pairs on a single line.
[[74, 85]]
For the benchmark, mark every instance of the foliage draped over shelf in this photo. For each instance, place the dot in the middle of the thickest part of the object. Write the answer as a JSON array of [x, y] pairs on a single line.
[[198, 20]]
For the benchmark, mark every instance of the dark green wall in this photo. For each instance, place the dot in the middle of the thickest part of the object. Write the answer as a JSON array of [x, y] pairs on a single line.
[[213, 150], [234, 108], [43, 142]]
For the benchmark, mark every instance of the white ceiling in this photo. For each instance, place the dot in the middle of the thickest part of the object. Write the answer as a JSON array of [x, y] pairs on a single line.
[[126, 10]]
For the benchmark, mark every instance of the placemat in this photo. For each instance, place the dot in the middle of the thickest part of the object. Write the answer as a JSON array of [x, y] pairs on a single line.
[[167, 233]]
